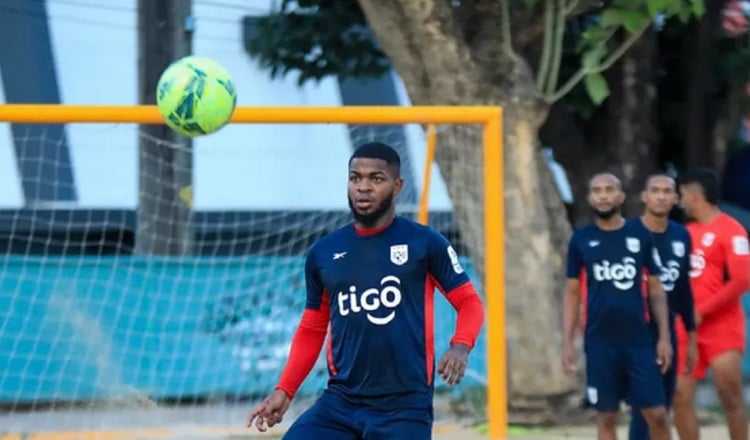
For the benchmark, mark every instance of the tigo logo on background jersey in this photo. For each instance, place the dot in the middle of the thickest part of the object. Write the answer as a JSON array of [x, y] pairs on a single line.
[[670, 274], [622, 274]]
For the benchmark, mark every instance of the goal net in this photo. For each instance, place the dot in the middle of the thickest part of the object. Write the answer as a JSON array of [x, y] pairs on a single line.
[[99, 332]]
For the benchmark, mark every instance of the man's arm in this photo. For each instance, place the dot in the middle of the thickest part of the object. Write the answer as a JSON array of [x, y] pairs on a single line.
[[659, 306], [310, 335], [684, 304], [470, 314], [572, 303], [735, 248], [449, 277], [571, 309], [658, 299]]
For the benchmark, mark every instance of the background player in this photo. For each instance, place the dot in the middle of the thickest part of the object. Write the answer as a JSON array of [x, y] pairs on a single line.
[[372, 285], [720, 248], [672, 241], [621, 361]]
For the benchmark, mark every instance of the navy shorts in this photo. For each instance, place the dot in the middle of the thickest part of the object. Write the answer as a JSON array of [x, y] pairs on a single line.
[[332, 417], [617, 374]]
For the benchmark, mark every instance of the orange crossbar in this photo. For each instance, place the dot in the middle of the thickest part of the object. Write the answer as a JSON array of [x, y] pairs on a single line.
[[149, 114]]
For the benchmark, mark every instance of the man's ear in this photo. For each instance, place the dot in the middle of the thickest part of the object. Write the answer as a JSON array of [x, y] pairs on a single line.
[[622, 196], [398, 185]]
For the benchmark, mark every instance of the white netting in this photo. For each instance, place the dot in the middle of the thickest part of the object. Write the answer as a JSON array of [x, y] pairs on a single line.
[[95, 336]]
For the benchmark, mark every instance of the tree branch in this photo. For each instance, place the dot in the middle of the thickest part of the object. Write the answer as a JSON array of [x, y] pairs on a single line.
[[609, 62], [554, 73], [546, 57], [570, 9], [507, 32]]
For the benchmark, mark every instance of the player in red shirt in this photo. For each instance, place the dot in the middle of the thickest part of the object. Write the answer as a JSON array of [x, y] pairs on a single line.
[[719, 276]]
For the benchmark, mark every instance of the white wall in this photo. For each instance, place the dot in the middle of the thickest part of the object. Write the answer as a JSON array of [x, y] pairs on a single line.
[[11, 193], [240, 167]]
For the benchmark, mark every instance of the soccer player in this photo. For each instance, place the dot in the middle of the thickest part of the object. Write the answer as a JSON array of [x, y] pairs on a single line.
[[672, 242], [622, 360], [371, 284], [720, 274]]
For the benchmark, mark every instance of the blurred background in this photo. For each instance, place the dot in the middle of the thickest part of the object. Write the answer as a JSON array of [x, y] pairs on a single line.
[[141, 268]]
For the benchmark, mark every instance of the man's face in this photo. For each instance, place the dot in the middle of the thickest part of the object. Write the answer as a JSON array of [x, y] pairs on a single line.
[[659, 196], [605, 196], [688, 199], [372, 188]]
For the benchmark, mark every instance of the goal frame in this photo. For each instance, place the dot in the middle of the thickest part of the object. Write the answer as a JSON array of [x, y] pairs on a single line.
[[489, 117]]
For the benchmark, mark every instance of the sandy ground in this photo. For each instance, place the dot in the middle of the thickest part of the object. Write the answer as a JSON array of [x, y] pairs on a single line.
[[145, 420], [442, 432], [216, 422]]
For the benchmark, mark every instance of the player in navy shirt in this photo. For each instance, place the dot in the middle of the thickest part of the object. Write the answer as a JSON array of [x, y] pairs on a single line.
[[672, 242], [613, 256], [370, 286]]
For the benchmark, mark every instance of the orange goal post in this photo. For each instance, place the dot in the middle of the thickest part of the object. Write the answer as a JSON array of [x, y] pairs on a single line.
[[489, 118]]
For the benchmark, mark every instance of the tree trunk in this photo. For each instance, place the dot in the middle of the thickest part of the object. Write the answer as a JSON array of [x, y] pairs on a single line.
[[425, 43], [702, 110]]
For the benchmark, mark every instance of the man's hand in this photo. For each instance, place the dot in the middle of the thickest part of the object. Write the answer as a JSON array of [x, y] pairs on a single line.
[[270, 412], [664, 354], [698, 319], [569, 360], [453, 364]]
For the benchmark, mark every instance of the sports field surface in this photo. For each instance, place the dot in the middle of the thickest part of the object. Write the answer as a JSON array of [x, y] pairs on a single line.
[[442, 432], [223, 422]]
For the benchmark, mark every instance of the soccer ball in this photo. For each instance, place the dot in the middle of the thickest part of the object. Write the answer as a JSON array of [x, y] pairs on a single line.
[[196, 96]]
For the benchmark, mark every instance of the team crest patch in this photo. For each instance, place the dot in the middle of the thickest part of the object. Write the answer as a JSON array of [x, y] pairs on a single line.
[[399, 254], [633, 244], [708, 239], [678, 248]]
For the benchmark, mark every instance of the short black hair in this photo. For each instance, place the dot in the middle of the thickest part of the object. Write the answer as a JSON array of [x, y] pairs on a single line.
[[656, 174], [378, 150], [706, 179]]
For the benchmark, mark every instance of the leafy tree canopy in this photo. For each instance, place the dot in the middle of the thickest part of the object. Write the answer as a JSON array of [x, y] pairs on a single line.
[[318, 38]]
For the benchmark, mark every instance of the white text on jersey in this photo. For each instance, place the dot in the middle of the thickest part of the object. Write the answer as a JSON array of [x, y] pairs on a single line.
[[622, 274], [371, 300]]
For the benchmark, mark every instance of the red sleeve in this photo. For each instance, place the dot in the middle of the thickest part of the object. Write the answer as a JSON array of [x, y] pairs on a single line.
[[467, 303], [305, 349], [738, 266]]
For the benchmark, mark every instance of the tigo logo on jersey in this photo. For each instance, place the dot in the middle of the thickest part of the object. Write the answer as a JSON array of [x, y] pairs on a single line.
[[622, 274], [670, 274], [371, 300], [697, 263]]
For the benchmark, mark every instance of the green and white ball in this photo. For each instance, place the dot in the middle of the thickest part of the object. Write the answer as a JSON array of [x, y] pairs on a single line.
[[196, 96]]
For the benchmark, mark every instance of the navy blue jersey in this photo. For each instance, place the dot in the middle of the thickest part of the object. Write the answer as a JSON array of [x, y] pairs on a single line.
[[673, 246], [613, 264], [380, 289]]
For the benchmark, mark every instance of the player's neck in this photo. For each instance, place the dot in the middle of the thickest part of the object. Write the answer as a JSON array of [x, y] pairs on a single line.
[[610, 224], [707, 214], [376, 227], [655, 223]]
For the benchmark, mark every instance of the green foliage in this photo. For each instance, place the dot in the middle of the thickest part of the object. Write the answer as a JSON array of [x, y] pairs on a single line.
[[597, 48], [317, 38], [597, 87]]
